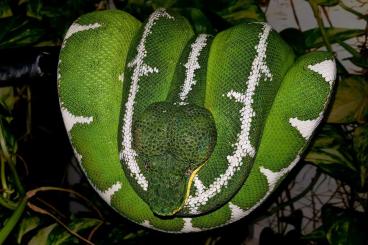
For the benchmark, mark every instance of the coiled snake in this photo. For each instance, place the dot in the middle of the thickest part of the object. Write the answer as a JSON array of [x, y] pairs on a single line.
[[182, 132]]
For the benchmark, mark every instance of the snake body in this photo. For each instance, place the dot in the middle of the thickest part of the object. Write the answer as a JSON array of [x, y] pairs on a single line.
[[185, 132]]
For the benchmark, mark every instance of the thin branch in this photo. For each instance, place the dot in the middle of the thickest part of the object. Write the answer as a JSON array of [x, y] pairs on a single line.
[[358, 14], [295, 15], [43, 211], [33, 192], [299, 196], [24, 164], [51, 207], [326, 15], [317, 15], [93, 231]]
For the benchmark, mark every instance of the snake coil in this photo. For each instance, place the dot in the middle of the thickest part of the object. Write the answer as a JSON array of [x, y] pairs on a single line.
[[182, 132]]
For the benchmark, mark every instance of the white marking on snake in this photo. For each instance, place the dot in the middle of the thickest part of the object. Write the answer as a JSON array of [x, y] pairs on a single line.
[[306, 127], [147, 224], [128, 154], [121, 77], [107, 194], [243, 145], [77, 155], [75, 27], [273, 177], [272, 180], [198, 185], [58, 78], [236, 212], [191, 66], [58, 71], [70, 120], [327, 69], [188, 227]]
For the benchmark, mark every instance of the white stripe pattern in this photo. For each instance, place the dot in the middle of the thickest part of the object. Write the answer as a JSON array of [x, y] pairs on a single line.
[[243, 145], [192, 66], [272, 179], [70, 120], [107, 194], [188, 226], [327, 69], [306, 127], [75, 27], [128, 154]]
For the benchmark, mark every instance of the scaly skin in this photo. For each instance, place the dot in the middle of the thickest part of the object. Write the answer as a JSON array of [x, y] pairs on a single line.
[[196, 128]]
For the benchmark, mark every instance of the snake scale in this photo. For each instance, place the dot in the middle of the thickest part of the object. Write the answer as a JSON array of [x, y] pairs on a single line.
[[184, 132]]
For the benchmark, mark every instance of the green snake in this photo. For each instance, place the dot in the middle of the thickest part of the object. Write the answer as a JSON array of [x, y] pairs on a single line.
[[184, 132]]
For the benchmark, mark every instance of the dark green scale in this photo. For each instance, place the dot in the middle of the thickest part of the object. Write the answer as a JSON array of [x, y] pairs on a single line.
[[172, 141]]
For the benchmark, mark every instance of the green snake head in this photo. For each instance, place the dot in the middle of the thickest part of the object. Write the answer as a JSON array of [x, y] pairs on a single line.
[[173, 142]]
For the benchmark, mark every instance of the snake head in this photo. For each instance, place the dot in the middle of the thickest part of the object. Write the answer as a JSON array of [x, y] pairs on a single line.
[[172, 142]]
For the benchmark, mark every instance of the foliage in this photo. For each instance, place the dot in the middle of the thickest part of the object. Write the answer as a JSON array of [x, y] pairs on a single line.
[[30, 214]]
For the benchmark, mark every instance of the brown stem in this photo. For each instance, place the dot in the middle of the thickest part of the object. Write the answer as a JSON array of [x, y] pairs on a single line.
[[33, 192], [43, 211], [326, 15], [295, 15], [321, 26]]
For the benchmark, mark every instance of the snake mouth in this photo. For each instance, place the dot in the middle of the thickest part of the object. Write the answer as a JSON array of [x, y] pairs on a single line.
[[173, 142]]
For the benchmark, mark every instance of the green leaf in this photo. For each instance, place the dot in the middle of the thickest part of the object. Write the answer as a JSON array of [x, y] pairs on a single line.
[[42, 235], [163, 3], [331, 156], [8, 98], [351, 101], [5, 10], [55, 234], [295, 39], [357, 59], [4, 110], [326, 2], [344, 226], [333, 153], [318, 234], [242, 11], [197, 19], [360, 142], [9, 138], [27, 224], [34, 9], [60, 236], [16, 31], [313, 37]]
